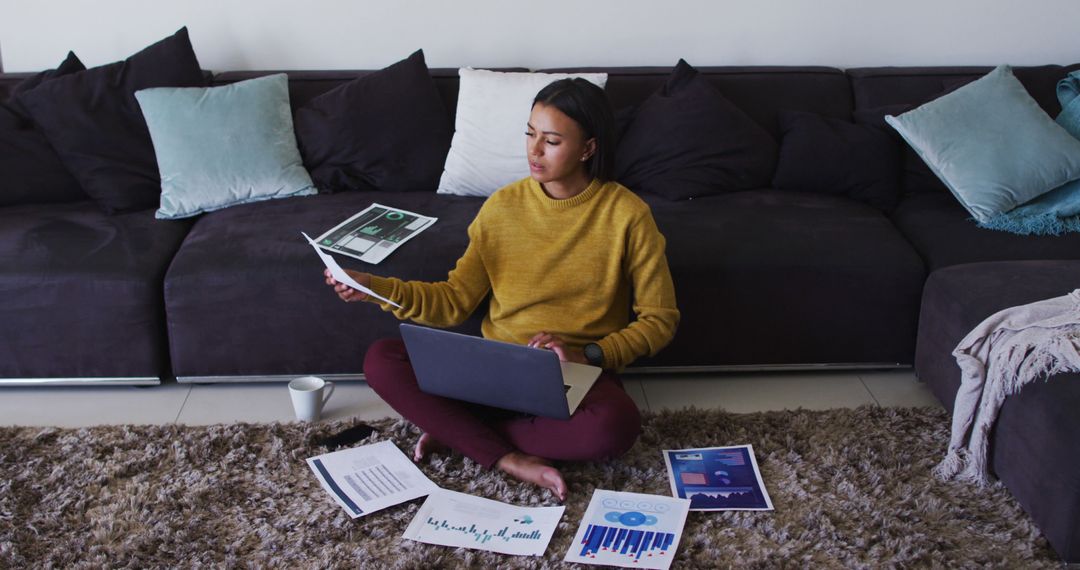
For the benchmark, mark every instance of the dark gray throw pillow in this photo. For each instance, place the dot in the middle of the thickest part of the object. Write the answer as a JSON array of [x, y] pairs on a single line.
[[71, 64], [30, 171], [94, 122], [916, 177], [687, 140], [385, 131], [833, 156]]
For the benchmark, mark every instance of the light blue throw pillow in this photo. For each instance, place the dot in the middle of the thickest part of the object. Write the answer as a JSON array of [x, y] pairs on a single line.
[[991, 144], [221, 146]]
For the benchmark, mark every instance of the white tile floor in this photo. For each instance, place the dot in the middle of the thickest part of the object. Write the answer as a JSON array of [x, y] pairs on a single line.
[[224, 403]]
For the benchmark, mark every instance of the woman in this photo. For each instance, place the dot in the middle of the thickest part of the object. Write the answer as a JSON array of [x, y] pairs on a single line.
[[563, 253]]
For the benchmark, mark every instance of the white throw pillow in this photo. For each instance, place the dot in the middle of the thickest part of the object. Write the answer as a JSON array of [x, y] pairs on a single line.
[[488, 149]]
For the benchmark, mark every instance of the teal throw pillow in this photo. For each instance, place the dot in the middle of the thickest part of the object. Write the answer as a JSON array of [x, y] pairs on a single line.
[[991, 144], [221, 146]]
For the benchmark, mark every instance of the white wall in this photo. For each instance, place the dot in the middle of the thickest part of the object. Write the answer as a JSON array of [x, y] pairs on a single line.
[[366, 34]]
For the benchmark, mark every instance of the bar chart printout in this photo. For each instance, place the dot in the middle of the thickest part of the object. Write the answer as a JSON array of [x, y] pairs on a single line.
[[629, 530], [448, 518]]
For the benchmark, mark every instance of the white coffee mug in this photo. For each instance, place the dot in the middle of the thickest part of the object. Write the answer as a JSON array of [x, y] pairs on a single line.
[[307, 396]]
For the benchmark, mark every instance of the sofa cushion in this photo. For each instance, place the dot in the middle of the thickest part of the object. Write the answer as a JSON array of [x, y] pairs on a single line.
[[991, 144], [777, 277], [833, 156], [1036, 430], [944, 234], [487, 151], [71, 64], [293, 323], [916, 175], [93, 121], [80, 292], [221, 146], [384, 131], [891, 90], [30, 170], [687, 140]]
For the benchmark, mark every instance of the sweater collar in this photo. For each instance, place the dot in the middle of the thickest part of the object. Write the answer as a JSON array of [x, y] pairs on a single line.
[[581, 198]]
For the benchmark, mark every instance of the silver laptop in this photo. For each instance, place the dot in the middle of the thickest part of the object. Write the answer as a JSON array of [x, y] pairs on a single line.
[[494, 373]]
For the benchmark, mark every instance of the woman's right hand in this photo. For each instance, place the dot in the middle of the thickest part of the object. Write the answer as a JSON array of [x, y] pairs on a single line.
[[346, 293]]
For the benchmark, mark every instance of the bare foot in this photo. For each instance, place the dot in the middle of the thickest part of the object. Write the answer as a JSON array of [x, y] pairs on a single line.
[[532, 469], [426, 445]]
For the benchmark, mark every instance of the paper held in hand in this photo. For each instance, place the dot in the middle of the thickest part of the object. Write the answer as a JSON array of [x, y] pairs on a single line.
[[342, 277], [374, 233]]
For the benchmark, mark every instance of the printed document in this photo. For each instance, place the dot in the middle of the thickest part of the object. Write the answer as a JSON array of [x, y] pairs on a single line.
[[718, 478], [371, 477], [448, 518], [343, 277], [374, 233], [629, 530]]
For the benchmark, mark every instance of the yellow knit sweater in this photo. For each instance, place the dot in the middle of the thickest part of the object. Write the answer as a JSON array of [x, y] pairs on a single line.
[[566, 267]]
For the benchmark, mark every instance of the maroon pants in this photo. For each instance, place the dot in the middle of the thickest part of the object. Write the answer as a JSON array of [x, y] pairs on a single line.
[[605, 424]]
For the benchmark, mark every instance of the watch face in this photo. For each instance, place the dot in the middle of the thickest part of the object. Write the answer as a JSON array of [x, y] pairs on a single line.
[[594, 354]]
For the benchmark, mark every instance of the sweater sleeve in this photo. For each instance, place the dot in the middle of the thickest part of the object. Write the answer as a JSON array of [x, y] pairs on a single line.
[[443, 303], [657, 317]]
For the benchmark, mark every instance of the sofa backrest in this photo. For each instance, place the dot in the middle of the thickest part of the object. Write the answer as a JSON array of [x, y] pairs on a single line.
[[760, 91], [881, 86], [306, 85], [9, 80]]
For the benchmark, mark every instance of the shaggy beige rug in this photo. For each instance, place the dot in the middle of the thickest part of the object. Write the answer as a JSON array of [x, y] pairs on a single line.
[[852, 489]]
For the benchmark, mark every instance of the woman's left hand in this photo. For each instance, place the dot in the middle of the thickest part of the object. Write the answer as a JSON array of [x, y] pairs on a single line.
[[551, 342]]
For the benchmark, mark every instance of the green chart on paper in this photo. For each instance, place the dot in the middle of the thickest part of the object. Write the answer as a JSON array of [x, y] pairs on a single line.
[[373, 233]]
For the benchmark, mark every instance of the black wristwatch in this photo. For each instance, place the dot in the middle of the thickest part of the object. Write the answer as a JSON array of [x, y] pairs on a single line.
[[594, 354]]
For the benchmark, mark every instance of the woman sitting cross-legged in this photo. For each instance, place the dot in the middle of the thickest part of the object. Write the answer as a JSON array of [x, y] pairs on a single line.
[[563, 254]]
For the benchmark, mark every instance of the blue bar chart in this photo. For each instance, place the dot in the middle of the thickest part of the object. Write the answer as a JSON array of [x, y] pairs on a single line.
[[635, 543], [631, 530]]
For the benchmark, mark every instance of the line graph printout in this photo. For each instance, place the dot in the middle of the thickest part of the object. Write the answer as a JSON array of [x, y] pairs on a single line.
[[448, 518], [629, 530], [371, 477]]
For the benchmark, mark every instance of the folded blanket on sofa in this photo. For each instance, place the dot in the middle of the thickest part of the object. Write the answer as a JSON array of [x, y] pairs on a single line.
[[1005, 352], [1057, 211]]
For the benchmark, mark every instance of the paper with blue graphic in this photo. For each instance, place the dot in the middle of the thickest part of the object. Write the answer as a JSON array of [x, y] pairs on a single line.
[[629, 530], [718, 478], [448, 518]]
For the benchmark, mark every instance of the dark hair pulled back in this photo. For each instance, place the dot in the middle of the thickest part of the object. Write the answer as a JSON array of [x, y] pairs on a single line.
[[587, 104]]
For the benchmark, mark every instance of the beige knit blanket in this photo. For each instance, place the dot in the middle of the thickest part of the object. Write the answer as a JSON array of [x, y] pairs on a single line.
[[1007, 351]]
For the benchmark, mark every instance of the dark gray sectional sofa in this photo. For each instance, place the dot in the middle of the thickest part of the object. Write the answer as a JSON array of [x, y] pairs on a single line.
[[763, 277]]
